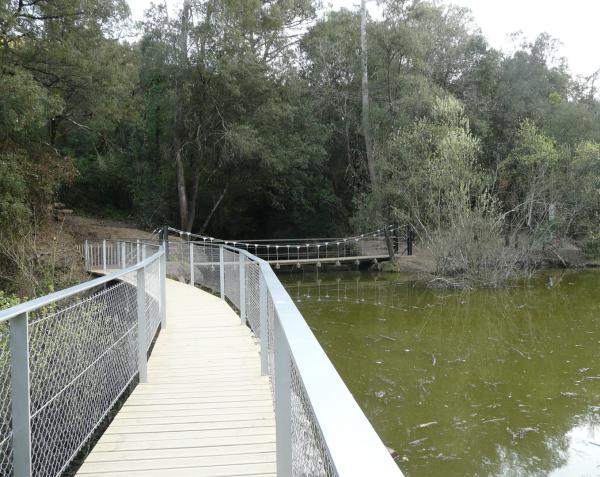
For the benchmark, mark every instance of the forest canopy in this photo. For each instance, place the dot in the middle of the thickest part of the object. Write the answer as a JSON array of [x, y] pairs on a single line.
[[243, 119]]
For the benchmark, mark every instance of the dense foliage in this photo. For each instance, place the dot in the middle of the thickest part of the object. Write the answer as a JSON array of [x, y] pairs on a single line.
[[243, 119]]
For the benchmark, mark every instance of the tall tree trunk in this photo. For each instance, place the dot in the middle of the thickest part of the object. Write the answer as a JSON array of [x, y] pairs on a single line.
[[180, 130], [181, 191], [193, 202], [366, 122], [365, 119]]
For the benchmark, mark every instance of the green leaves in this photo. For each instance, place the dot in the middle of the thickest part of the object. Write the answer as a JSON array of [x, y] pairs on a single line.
[[25, 105]]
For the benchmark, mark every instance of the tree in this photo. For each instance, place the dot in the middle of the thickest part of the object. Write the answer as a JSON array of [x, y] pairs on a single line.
[[220, 56]]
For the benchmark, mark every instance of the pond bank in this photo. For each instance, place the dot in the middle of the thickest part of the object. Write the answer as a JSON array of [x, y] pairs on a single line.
[[568, 256]]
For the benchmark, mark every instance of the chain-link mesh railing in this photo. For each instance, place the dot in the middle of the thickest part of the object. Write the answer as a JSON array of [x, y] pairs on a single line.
[[269, 337], [77, 351], [81, 358], [206, 267], [178, 261], [290, 364], [5, 402], [152, 286], [309, 452], [231, 266], [373, 244], [252, 295]]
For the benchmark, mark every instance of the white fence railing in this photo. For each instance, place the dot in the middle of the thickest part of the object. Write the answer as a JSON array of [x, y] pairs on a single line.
[[371, 244], [320, 429], [66, 359]]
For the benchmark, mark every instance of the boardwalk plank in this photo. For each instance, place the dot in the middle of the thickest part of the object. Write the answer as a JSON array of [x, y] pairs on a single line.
[[205, 410]]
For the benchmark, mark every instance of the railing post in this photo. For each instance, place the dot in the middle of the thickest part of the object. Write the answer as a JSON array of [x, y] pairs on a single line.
[[143, 251], [123, 255], [283, 408], [165, 239], [104, 255], [264, 325], [86, 255], [19, 397], [192, 263], [141, 324], [137, 251], [242, 288], [163, 290], [221, 272]]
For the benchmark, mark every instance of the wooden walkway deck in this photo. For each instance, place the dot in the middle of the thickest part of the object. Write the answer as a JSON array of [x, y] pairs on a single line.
[[205, 410], [314, 261]]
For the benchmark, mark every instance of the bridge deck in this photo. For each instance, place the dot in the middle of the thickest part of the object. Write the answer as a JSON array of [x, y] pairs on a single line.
[[205, 410], [314, 260]]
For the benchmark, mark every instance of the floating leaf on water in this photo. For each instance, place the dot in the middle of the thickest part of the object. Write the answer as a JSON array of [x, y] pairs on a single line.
[[418, 441], [497, 419], [427, 424], [387, 338]]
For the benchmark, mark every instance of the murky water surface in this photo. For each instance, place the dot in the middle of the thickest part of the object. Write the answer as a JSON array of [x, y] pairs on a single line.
[[468, 383]]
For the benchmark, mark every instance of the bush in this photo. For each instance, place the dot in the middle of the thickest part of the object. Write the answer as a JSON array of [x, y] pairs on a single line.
[[470, 249], [8, 301]]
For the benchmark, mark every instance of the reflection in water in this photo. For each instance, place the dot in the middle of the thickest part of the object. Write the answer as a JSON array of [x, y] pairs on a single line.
[[468, 383]]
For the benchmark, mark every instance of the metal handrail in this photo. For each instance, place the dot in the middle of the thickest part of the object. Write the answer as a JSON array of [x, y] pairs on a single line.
[[46, 300], [343, 443], [30, 396], [352, 446], [312, 241]]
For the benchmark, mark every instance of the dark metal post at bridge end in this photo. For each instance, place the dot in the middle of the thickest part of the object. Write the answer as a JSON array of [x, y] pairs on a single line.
[[409, 240]]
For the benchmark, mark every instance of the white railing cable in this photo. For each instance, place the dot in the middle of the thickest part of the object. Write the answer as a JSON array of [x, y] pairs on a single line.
[[370, 244]]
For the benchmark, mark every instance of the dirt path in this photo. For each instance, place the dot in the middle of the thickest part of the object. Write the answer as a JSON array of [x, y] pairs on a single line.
[[83, 228]]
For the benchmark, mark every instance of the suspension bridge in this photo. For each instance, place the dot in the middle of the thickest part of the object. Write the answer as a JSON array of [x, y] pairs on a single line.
[[367, 248], [214, 373]]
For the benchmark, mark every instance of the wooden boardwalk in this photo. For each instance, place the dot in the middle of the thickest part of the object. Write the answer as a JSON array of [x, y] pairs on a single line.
[[315, 260], [205, 410]]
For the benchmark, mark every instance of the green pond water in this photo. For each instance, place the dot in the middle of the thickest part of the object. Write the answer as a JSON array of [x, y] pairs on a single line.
[[468, 383]]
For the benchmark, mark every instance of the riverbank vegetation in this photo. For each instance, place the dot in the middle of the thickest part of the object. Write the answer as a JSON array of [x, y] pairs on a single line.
[[245, 119]]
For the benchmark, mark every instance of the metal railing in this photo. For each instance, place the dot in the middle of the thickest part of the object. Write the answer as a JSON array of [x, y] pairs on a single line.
[[371, 244], [320, 429], [67, 358]]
